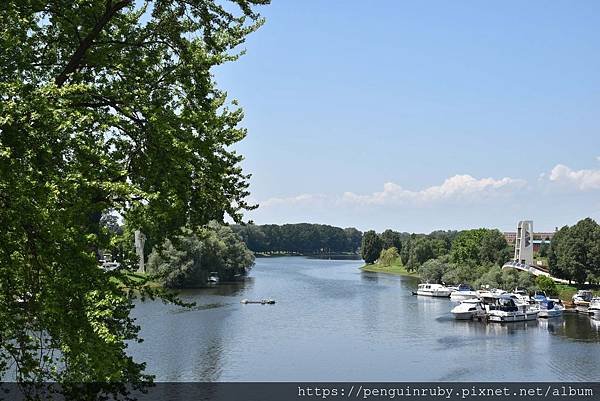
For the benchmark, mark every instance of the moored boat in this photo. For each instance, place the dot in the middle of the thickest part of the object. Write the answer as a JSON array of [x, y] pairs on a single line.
[[213, 278], [503, 309], [582, 298], [462, 293], [594, 308], [433, 290], [468, 310], [549, 308]]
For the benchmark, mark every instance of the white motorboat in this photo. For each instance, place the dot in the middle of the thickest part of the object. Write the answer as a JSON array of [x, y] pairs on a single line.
[[433, 290], [468, 309], [582, 298], [503, 309], [458, 296], [594, 308], [213, 278], [462, 293]]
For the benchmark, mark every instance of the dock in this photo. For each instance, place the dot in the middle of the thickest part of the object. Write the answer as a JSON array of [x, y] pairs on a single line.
[[262, 301]]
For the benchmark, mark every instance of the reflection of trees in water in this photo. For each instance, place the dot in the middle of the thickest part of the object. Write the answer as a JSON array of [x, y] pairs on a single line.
[[578, 327], [209, 364], [222, 290]]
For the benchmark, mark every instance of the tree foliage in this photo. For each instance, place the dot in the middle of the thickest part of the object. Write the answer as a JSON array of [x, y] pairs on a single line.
[[303, 238], [105, 106], [371, 247], [574, 252], [480, 246], [388, 256], [547, 285], [187, 260]]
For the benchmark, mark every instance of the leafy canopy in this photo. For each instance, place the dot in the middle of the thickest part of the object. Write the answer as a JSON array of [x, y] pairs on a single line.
[[105, 105]]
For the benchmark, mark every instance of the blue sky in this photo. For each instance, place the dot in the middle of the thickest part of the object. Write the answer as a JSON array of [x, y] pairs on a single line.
[[422, 115]]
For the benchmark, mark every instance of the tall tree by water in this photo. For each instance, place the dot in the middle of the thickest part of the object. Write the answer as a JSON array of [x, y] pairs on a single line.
[[371, 246], [574, 252], [105, 105]]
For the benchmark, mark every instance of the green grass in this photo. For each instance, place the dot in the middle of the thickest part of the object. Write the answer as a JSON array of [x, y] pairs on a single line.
[[395, 268]]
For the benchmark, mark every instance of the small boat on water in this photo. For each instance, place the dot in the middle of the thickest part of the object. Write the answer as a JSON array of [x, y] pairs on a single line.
[[503, 309], [433, 290], [463, 292], [213, 278], [583, 298], [594, 308], [468, 309], [267, 301]]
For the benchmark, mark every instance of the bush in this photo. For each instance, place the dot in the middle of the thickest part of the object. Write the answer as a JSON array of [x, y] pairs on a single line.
[[547, 285], [389, 256]]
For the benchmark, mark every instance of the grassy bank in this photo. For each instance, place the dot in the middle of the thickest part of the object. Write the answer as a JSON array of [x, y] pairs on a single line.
[[395, 268]]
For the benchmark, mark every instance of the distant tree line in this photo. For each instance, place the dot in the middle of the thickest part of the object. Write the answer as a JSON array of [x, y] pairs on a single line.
[[302, 239], [574, 252]]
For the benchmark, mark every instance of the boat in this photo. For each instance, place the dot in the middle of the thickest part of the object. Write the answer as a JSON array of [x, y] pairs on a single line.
[[213, 278], [582, 298], [594, 308], [521, 296], [433, 290], [549, 308], [462, 293], [503, 309], [468, 309], [266, 301]]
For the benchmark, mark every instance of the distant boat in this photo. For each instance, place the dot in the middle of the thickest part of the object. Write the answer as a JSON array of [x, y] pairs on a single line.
[[463, 292], [503, 309], [549, 308], [582, 298], [433, 290], [594, 309], [213, 278], [266, 301], [468, 310]]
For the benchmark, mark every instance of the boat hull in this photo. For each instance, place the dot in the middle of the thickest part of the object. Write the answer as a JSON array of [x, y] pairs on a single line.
[[512, 317], [439, 294], [463, 315], [550, 313], [458, 296]]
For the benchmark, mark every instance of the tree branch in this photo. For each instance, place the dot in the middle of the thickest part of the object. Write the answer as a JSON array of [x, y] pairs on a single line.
[[86, 43]]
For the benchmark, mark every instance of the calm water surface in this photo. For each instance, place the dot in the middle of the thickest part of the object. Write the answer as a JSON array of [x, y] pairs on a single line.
[[333, 322]]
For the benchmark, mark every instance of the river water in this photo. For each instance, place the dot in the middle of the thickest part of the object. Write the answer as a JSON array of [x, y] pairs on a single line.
[[333, 322]]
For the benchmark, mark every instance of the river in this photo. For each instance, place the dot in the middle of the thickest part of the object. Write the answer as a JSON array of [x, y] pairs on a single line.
[[333, 322]]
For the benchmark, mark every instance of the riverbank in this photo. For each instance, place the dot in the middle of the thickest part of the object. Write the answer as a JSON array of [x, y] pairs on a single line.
[[395, 268]]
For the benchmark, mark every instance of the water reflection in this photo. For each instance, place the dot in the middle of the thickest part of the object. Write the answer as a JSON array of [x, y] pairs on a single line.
[[330, 311]]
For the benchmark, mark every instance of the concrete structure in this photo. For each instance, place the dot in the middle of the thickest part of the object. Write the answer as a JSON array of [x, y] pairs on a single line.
[[524, 242], [140, 240], [511, 237], [523, 258]]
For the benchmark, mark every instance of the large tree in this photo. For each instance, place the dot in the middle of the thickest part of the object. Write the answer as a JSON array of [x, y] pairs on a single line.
[[575, 252], [371, 247], [105, 105]]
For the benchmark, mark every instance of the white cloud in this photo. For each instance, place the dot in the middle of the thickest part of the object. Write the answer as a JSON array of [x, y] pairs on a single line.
[[302, 199], [581, 179], [463, 187], [456, 187]]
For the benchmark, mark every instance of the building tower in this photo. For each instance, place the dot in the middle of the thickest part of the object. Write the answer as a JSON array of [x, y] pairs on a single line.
[[524, 242]]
